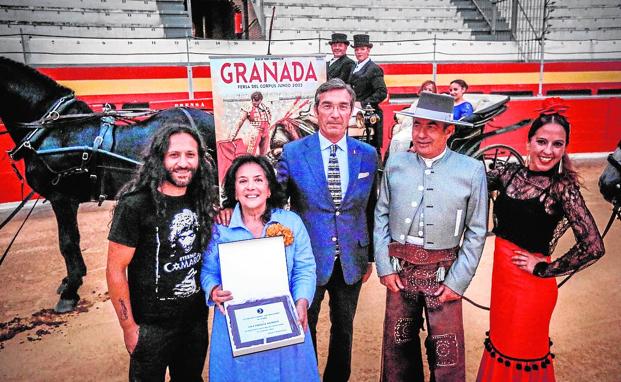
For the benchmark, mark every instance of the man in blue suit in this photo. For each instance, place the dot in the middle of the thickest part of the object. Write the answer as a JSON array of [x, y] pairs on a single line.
[[330, 180]]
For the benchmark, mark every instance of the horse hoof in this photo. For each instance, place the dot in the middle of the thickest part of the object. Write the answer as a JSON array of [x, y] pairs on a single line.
[[65, 305], [62, 287]]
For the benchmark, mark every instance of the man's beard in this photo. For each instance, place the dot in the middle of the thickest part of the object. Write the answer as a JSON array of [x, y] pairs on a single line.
[[178, 182]]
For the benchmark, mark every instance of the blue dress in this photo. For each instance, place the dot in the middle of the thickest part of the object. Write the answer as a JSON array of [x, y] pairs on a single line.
[[289, 363], [462, 110]]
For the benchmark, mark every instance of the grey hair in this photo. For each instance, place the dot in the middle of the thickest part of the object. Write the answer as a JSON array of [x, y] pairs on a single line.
[[335, 84]]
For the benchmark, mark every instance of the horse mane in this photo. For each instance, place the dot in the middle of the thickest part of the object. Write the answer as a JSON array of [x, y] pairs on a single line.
[[22, 71]]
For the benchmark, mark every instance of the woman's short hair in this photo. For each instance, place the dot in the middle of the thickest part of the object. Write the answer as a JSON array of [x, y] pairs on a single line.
[[277, 198]]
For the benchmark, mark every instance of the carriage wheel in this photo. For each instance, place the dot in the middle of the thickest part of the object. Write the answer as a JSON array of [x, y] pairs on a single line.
[[492, 156]]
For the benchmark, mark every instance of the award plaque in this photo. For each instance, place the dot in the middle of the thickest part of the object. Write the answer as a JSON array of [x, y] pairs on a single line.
[[262, 314]]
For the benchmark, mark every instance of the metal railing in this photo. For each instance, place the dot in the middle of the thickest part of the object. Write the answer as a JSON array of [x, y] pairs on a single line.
[[524, 20]]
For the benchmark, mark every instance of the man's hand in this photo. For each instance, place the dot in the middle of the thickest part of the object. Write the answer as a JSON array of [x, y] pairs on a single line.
[[301, 306], [392, 282], [224, 217], [445, 294], [219, 296], [130, 336], [368, 273]]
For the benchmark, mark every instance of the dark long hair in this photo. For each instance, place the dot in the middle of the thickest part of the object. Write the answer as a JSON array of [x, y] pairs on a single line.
[[277, 198], [461, 83], [568, 172], [202, 191]]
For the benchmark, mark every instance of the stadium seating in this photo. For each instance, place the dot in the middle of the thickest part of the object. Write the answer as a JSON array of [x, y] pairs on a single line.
[[382, 20], [95, 18], [112, 31], [576, 20]]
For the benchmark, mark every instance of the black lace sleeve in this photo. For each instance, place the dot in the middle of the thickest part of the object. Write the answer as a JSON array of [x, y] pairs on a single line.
[[498, 176], [589, 246]]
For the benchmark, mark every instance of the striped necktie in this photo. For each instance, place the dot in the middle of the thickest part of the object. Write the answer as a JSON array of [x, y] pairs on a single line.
[[334, 186], [334, 177]]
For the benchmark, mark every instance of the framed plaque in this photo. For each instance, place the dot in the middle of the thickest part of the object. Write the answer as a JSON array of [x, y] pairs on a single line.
[[262, 314]]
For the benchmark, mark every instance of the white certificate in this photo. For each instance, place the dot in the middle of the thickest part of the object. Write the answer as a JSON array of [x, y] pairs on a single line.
[[262, 314], [262, 321]]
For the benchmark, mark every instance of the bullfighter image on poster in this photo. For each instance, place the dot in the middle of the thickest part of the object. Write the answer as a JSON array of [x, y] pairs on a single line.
[[262, 102]]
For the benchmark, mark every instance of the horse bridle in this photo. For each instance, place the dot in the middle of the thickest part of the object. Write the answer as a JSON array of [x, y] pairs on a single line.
[[52, 114]]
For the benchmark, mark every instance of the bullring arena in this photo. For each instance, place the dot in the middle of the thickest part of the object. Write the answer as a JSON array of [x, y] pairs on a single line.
[[156, 54], [88, 345]]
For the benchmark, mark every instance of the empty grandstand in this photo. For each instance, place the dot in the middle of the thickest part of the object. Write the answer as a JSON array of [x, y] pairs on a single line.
[[161, 31]]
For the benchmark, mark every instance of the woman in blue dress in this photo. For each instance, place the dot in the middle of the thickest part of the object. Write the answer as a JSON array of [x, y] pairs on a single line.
[[461, 108], [251, 188]]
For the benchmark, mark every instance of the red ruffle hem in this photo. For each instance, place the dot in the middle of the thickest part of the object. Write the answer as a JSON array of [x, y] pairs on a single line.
[[518, 346]]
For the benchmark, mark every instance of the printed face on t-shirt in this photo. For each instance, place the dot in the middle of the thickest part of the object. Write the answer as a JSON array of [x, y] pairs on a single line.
[[176, 268]]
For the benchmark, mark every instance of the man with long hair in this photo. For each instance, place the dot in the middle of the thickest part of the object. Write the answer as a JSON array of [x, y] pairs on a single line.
[[161, 226]]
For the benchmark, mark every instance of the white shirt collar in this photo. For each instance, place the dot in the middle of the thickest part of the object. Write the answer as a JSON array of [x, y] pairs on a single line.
[[360, 65], [324, 143], [429, 161]]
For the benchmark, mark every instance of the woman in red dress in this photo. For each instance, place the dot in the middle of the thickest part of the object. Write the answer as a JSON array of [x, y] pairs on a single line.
[[536, 204]]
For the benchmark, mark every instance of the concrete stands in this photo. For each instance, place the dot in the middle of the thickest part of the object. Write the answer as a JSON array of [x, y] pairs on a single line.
[[387, 20], [95, 18], [585, 20]]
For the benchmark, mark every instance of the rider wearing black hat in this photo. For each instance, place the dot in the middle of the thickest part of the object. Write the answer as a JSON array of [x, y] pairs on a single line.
[[367, 80], [340, 65]]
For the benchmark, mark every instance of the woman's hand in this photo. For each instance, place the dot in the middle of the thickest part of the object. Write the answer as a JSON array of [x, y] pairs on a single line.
[[526, 261], [219, 296], [302, 306]]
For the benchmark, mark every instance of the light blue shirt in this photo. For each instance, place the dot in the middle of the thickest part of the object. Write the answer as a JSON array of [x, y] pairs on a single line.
[[299, 255], [290, 363], [341, 156]]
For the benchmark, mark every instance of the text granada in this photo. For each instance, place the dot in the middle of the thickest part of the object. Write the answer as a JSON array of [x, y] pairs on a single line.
[[239, 72]]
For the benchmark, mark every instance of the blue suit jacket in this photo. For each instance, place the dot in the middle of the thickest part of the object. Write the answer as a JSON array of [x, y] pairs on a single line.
[[300, 170]]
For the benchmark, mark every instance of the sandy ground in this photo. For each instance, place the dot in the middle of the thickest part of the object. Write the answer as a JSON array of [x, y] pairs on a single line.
[[88, 345]]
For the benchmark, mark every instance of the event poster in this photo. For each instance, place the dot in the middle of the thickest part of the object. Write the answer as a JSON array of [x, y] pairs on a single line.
[[259, 100]]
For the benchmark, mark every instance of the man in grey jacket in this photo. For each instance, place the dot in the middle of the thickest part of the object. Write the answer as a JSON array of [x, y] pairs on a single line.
[[431, 200]]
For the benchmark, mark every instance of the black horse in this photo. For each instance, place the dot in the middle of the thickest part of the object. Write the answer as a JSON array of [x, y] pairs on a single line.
[[73, 155], [610, 180]]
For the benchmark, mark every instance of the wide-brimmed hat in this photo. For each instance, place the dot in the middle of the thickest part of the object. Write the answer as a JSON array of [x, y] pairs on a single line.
[[435, 107], [361, 40], [339, 37]]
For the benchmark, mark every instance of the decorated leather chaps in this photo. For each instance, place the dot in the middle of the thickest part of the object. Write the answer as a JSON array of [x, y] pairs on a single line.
[[401, 351]]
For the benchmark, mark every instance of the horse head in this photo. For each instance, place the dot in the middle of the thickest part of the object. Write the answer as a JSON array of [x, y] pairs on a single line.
[[28, 95], [610, 180]]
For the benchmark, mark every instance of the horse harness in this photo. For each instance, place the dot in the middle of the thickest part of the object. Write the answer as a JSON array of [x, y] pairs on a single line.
[[613, 162], [90, 155]]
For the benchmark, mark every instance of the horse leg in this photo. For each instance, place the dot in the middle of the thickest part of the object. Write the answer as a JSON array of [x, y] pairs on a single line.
[[66, 212]]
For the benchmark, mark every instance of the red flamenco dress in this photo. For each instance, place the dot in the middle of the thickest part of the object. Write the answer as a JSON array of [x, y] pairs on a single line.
[[531, 213]]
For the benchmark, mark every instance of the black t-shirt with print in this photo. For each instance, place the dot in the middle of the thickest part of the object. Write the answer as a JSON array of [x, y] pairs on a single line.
[[164, 273]]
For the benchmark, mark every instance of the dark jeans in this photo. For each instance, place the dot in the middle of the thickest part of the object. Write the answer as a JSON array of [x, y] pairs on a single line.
[[181, 348], [343, 302]]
